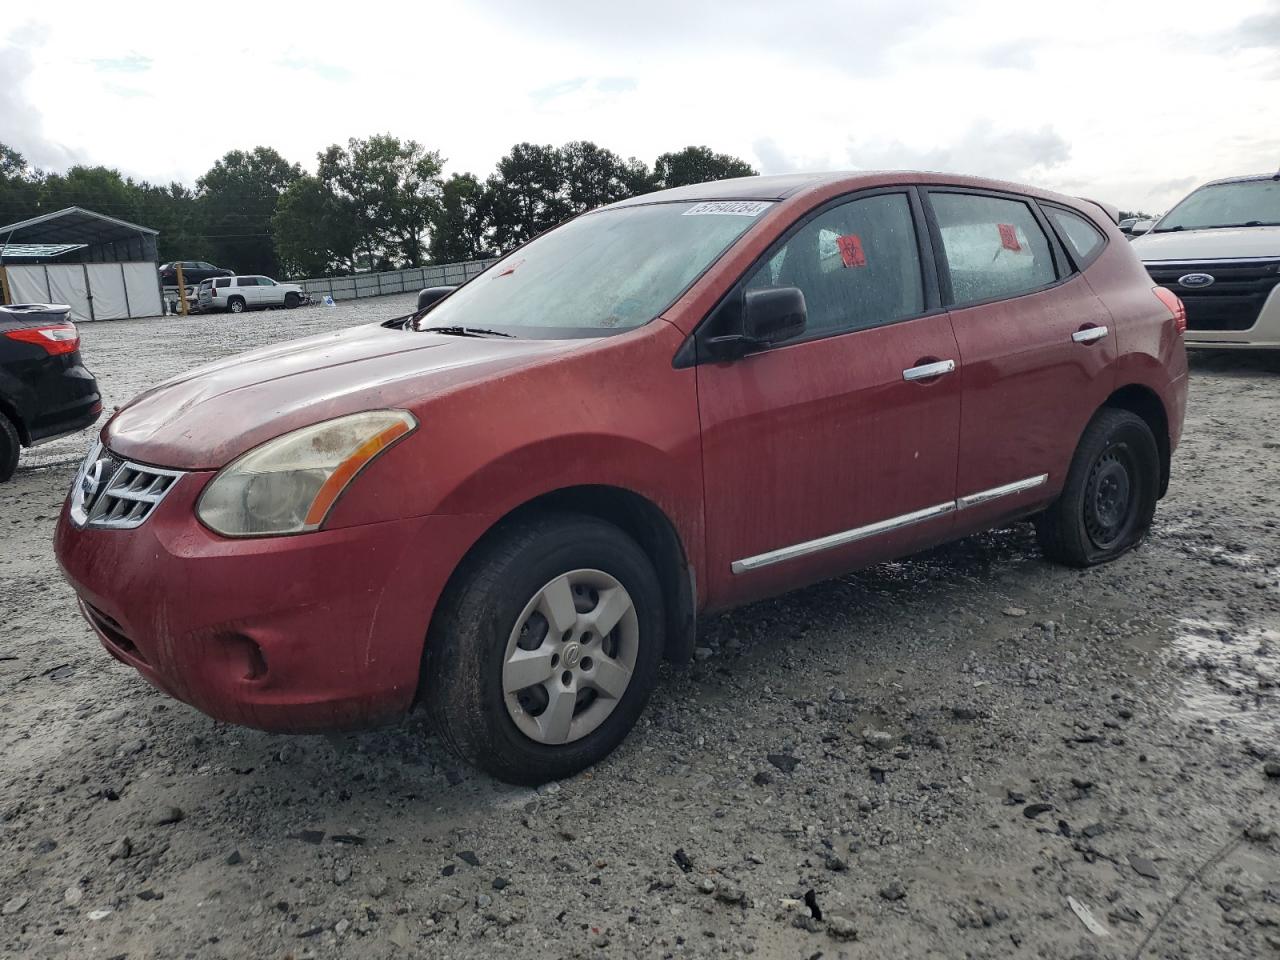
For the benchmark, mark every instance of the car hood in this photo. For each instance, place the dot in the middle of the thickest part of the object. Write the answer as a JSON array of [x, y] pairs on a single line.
[[205, 418], [1229, 243]]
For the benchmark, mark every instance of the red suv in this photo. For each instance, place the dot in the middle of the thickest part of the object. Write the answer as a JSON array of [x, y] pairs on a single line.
[[510, 507]]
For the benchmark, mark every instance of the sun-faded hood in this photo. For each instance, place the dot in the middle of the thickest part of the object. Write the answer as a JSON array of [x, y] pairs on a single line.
[[207, 417]]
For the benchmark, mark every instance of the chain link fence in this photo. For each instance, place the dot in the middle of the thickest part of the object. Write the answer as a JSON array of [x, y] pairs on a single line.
[[393, 281]]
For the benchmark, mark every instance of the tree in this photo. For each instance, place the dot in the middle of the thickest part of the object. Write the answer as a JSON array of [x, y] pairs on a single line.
[[462, 226], [697, 165], [526, 194], [99, 189], [237, 198], [19, 187], [392, 189], [315, 230], [538, 186], [594, 176]]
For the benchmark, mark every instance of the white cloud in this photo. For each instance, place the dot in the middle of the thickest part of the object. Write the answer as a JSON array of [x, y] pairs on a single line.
[[1125, 101]]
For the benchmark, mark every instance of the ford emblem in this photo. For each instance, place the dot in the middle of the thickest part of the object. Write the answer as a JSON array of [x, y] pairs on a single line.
[[1195, 280]]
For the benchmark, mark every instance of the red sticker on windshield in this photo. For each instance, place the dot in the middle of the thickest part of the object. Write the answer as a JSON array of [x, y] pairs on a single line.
[[851, 250], [1009, 236]]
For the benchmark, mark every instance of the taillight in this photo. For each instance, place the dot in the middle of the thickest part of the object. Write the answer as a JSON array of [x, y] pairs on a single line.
[[1175, 305], [55, 339]]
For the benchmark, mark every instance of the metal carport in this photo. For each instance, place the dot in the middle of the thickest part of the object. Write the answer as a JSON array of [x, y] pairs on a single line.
[[103, 267]]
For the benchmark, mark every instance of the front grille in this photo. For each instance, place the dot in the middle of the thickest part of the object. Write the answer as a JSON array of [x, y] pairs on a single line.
[[115, 493], [1234, 299]]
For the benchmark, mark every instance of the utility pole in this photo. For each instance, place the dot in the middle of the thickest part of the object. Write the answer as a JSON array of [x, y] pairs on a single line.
[[182, 290]]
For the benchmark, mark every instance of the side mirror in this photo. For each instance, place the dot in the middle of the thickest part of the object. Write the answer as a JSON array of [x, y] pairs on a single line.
[[774, 314], [431, 294], [1141, 227], [765, 316]]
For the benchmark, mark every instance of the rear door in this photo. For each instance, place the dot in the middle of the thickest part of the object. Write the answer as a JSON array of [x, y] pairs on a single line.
[[247, 287], [1036, 345], [836, 449]]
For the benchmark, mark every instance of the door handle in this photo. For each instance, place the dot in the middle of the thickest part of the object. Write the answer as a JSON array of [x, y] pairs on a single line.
[[927, 371], [1089, 334]]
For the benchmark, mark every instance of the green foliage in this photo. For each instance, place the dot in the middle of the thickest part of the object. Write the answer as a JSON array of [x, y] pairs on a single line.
[[19, 187], [315, 230], [697, 165], [463, 223], [236, 200], [392, 189]]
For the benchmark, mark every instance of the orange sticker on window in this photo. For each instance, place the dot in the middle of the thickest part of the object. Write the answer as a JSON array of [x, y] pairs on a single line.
[[851, 250], [1009, 237]]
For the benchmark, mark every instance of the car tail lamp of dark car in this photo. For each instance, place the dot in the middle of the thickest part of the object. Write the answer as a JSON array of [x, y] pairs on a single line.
[[1175, 305], [55, 338]]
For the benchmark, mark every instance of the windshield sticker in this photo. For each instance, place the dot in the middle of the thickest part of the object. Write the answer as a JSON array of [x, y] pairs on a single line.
[[851, 250], [727, 208], [1009, 237]]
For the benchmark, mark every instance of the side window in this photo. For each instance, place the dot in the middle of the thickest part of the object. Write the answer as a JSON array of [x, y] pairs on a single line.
[[266, 282], [246, 281], [994, 247], [858, 265], [1081, 236]]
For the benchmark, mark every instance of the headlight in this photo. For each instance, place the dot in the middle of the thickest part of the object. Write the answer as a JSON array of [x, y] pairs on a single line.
[[288, 484]]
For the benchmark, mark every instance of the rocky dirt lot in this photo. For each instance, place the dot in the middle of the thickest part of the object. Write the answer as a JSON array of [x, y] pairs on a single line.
[[970, 753]]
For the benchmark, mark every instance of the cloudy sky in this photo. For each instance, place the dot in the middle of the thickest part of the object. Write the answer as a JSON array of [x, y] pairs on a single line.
[[1131, 101]]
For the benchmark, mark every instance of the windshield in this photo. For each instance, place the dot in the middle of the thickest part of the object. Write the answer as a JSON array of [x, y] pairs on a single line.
[[1249, 203], [607, 271]]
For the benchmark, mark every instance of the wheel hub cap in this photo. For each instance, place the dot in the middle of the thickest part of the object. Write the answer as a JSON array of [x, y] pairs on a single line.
[[570, 656]]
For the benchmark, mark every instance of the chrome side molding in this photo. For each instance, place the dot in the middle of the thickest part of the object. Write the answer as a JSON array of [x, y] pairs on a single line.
[[982, 496], [846, 537], [839, 539]]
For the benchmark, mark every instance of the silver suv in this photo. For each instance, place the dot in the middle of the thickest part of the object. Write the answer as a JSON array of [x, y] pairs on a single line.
[[238, 294]]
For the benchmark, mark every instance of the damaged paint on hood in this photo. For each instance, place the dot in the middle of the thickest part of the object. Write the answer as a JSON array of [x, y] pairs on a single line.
[[212, 414]]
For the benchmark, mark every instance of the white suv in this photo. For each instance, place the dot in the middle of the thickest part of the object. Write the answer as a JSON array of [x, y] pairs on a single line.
[[1219, 250], [238, 294]]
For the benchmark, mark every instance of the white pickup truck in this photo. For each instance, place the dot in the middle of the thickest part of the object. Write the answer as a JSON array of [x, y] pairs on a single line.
[[1219, 250], [238, 294]]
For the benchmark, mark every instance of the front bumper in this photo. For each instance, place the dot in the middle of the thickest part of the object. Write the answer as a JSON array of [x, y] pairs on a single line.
[[322, 631]]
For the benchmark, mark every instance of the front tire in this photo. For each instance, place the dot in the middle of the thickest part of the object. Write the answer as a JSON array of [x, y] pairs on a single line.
[[1109, 499], [10, 444], [291, 300], [546, 648]]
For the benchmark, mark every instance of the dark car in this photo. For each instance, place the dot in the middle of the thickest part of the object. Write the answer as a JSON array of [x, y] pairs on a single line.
[[193, 271], [511, 507], [45, 389]]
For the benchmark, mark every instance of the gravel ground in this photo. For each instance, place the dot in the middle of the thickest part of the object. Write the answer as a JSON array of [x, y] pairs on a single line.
[[966, 753]]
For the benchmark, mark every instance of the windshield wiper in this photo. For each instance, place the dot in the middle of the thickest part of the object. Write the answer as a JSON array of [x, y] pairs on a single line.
[[465, 332], [1221, 226]]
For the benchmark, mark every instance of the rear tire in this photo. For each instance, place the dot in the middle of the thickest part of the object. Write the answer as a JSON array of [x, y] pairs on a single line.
[[235, 305], [1109, 499], [10, 444], [491, 628]]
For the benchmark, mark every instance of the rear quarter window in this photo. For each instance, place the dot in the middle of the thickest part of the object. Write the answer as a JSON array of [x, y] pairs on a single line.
[[226, 282], [1082, 238]]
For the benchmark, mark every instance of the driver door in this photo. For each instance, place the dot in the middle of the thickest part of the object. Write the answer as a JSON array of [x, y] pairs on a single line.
[[838, 448]]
